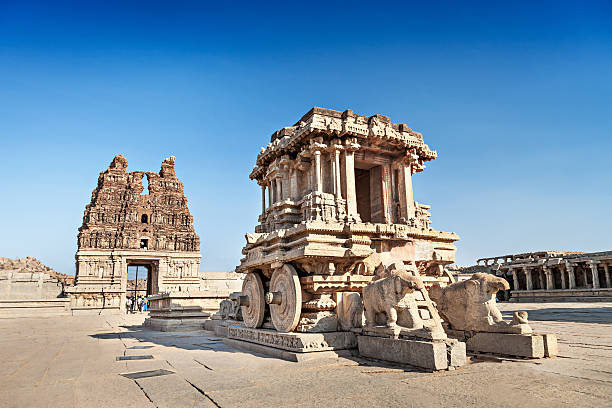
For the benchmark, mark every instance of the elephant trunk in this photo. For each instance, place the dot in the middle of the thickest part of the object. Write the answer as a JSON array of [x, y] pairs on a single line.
[[500, 284]]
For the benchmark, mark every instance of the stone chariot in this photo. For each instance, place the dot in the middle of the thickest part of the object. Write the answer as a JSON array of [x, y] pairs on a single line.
[[337, 206]]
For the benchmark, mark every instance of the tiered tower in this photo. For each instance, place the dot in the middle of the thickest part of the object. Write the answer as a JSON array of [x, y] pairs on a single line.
[[125, 225]]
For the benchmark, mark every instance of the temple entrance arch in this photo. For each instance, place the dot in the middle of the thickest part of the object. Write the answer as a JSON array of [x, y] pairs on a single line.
[[143, 270]]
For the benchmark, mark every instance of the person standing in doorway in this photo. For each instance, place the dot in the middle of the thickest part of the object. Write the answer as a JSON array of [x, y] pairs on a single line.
[[128, 304]]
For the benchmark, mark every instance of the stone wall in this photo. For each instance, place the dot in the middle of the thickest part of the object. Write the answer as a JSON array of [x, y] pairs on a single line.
[[29, 288], [28, 278]]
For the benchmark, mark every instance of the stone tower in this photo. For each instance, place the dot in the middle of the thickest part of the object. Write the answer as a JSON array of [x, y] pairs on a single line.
[[125, 225]]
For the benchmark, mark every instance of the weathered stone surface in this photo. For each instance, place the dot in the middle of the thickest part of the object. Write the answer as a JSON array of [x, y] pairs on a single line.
[[28, 278], [551, 349], [297, 342], [456, 353], [470, 306], [337, 203], [34, 307], [552, 276], [189, 323], [293, 356], [350, 310], [424, 354], [183, 310], [80, 353], [125, 225], [521, 345]]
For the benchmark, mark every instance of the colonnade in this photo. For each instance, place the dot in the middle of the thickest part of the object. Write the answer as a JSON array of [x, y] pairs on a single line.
[[542, 277], [309, 172], [283, 179]]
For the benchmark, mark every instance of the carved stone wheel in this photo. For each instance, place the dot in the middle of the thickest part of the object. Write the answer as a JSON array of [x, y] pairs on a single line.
[[285, 298], [252, 301]]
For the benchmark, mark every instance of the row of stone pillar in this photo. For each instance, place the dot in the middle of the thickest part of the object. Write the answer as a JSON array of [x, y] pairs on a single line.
[[545, 274], [277, 191], [275, 185]]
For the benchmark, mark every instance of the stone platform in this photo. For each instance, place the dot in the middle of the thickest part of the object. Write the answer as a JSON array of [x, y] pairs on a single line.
[[294, 342], [563, 295], [178, 311], [506, 344], [34, 307], [429, 354], [179, 321]]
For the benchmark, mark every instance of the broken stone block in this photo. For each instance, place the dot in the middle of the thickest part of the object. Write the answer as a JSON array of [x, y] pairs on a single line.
[[424, 354], [521, 345], [456, 353], [550, 345]]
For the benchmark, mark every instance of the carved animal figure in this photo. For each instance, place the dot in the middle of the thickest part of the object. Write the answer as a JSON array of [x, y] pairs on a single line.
[[229, 309], [385, 296], [383, 270], [350, 310], [470, 305]]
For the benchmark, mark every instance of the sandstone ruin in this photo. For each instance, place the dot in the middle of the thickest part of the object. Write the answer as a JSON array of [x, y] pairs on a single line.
[[336, 207], [554, 275], [471, 315], [30, 288], [123, 226]]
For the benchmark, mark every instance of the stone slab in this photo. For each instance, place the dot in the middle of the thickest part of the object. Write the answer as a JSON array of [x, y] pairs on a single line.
[[551, 349], [178, 314], [212, 323], [456, 353], [521, 345], [34, 307], [295, 357], [296, 342], [168, 325], [424, 354], [402, 332]]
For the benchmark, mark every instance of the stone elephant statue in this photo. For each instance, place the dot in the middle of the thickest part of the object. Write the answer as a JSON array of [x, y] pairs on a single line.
[[470, 305], [387, 296]]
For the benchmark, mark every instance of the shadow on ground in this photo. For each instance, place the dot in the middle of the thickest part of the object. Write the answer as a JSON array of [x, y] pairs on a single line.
[[200, 340], [207, 340]]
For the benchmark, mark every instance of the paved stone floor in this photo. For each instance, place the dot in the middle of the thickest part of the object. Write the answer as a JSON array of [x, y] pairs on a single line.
[[72, 361]]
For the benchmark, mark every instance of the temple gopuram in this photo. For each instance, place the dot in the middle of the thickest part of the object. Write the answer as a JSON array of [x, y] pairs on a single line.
[[123, 226]]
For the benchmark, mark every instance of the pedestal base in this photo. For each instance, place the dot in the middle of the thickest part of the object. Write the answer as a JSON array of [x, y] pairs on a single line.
[[180, 311], [519, 345], [432, 355], [170, 325], [294, 342]]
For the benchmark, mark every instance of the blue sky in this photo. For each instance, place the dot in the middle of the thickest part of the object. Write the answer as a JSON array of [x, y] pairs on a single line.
[[516, 97]]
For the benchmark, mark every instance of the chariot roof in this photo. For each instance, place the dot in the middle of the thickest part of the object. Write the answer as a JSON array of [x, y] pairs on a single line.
[[332, 123]]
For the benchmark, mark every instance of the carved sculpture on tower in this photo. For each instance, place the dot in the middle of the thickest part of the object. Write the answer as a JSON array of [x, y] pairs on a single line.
[[126, 225]]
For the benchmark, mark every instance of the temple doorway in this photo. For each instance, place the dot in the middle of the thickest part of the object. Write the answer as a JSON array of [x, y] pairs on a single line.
[[368, 189], [142, 277]]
